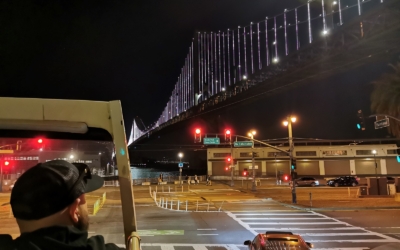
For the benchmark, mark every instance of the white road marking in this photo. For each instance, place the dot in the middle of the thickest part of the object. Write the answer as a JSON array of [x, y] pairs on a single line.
[[274, 218], [171, 246], [295, 223], [316, 228], [299, 213], [205, 234], [255, 211], [167, 247], [245, 225], [206, 229]]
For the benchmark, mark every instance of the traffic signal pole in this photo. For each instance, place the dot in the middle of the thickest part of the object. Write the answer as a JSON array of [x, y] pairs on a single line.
[[232, 166], [291, 159]]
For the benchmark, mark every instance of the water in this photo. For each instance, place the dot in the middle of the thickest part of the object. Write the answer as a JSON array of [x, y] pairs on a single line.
[[141, 173]]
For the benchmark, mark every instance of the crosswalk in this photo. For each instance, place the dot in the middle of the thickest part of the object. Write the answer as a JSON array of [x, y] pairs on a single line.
[[180, 246], [313, 227]]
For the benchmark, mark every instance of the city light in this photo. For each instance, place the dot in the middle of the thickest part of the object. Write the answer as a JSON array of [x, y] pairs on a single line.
[[374, 152]]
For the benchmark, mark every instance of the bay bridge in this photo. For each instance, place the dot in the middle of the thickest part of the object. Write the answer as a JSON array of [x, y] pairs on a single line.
[[315, 40]]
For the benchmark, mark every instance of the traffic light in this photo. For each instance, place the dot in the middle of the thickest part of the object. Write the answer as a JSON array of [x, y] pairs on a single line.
[[286, 177], [228, 159], [228, 135], [293, 164], [244, 172], [226, 168], [6, 166], [40, 143], [197, 135], [361, 120]]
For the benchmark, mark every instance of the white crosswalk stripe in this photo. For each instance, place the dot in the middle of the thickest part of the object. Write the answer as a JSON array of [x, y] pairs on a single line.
[[314, 227], [171, 246]]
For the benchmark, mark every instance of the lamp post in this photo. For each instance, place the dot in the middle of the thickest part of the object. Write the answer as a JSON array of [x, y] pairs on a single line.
[[251, 134], [288, 123], [376, 170], [180, 155]]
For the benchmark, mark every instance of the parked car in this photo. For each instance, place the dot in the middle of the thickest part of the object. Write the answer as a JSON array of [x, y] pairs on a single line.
[[278, 240], [343, 181], [306, 181]]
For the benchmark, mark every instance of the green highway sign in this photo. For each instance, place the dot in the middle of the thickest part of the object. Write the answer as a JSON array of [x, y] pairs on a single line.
[[211, 141], [160, 232], [243, 144]]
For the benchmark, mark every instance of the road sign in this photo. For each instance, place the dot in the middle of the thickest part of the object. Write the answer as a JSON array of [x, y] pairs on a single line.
[[243, 144], [382, 123], [211, 141], [180, 164]]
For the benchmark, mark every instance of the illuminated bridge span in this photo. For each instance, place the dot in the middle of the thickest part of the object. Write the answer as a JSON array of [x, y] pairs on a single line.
[[229, 66]]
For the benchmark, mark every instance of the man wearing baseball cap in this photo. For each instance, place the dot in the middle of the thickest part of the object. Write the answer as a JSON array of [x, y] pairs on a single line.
[[49, 204]]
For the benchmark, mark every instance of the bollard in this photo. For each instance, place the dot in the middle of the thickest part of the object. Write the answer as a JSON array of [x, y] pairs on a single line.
[[208, 206], [160, 202], [166, 203], [197, 206], [186, 205], [155, 196], [171, 204], [310, 199], [178, 204], [219, 210], [150, 190]]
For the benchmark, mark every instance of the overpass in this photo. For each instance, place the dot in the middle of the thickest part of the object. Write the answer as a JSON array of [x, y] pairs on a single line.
[[298, 46]]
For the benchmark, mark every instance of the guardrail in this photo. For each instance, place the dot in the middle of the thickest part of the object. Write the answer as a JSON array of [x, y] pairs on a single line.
[[172, 203]]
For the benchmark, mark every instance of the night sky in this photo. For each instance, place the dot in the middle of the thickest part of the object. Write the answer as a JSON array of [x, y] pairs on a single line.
[[127, 50]]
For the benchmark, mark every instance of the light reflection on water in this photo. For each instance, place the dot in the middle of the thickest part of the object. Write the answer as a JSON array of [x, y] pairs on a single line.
[[141, 173]]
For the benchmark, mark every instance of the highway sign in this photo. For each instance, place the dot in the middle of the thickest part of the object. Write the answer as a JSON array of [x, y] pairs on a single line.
[[211, 141], [243, 144], [382, 123], [180, 164]]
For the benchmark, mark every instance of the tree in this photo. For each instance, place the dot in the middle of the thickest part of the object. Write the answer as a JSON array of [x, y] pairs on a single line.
[[385, 98]]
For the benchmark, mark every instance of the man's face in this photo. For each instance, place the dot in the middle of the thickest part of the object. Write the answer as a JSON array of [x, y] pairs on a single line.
[[83, 221]]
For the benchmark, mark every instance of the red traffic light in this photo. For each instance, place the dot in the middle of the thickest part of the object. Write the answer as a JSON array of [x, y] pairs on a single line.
[[226, 168], [40, 140], [228, 131], [197, 131], [228, 159], [6, 163], [286, 177]]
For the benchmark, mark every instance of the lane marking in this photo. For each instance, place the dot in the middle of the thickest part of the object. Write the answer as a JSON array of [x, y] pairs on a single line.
[[388, 238], [205, 234], [294, 218], [294, 223], [206, 229], [299, 213], [245, 225], [170, 246], [317, 228]]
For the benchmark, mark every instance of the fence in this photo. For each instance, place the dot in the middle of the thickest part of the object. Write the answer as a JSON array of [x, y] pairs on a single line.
[[168, 179], [164, 201]]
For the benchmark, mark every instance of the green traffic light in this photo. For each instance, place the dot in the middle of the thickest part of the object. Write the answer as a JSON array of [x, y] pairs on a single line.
[[358, 126]]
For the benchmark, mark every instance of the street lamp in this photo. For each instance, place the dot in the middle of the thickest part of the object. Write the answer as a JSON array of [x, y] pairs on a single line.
[[288, 123], [376, 165], [251, 134], [180, 155]]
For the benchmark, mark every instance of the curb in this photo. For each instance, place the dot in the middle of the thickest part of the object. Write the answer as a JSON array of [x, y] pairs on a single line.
[[338, 208]]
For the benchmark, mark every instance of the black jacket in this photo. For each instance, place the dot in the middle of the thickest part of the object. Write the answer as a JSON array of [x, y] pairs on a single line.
[[56, 238]]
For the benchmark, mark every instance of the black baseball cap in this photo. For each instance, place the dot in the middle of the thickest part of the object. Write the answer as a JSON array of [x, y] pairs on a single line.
[[49, 187]]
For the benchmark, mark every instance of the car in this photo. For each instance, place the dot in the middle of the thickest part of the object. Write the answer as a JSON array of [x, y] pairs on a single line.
[[343, 181], [306, 181], [278, 240]]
